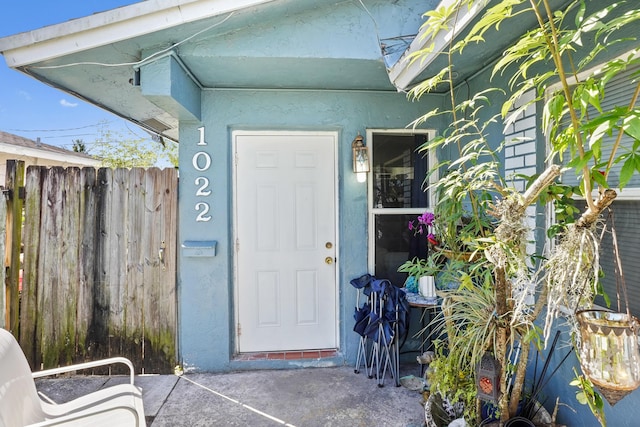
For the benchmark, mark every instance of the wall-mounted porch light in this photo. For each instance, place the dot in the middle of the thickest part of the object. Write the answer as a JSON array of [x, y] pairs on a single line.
[[360, 158]]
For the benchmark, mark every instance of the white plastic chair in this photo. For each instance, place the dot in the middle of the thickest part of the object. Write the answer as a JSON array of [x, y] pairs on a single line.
[[20, 405]]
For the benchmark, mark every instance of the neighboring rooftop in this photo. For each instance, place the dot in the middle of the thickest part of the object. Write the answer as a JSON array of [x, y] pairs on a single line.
[[14, 147], [20, 141]]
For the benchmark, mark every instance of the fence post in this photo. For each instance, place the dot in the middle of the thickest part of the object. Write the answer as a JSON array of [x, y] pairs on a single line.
[[15, 187]]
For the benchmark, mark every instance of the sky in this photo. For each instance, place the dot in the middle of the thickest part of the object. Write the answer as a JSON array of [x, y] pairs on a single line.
[[30, 108]]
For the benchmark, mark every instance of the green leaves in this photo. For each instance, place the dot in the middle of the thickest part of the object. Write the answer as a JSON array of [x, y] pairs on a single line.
[[631, 124], [630, 166], [587, 395]]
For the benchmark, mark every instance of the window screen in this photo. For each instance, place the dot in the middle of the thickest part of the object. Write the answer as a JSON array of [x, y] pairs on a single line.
[[626, 218], [398, 196], [618, 92]]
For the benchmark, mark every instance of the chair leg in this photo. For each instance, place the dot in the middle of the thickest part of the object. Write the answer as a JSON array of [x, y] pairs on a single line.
[[362, 355]]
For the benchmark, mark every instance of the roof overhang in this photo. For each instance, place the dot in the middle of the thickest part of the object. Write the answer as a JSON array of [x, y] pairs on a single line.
[[220, 44], [409, 67], [112, 26], [425, 57], [45, 53]]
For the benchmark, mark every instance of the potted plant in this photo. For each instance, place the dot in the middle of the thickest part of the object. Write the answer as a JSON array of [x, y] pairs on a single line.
[[452, 390], [476, 212], [421, 272], [421, 275]]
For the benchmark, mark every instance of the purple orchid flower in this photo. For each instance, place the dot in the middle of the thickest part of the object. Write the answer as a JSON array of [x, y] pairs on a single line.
[[426, 218]]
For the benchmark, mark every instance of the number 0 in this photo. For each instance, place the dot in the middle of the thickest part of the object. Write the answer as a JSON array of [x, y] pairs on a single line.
[[196, 161]]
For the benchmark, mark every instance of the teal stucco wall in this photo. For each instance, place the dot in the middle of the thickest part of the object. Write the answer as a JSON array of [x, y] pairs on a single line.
[[206, 294]]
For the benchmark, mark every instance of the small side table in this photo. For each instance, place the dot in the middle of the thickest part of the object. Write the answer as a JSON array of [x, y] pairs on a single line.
[[426, 316]]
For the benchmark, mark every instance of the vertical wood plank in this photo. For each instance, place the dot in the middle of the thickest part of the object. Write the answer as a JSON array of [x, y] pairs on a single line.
[[69, 242], [15, 183], [50, 289], [116, 234], [29, 313], [99, 327], [134, 338], [87, 262], [167, 191], [153, 302]]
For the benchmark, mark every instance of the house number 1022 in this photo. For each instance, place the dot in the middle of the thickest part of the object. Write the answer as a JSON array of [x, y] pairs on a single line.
[[202, 162]]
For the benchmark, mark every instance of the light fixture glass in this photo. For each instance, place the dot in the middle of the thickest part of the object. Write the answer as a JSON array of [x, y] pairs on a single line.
[[360, 158]]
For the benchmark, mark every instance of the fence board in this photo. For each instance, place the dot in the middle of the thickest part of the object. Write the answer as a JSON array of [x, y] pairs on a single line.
[[95, 285], [15, 182], [87, 262], [51, 295], [115, 277], [99, 330], [69, 260], [29, 340], [161, 312]]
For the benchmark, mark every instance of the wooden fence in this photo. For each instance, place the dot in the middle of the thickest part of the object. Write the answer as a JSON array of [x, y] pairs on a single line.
[[99, 268]]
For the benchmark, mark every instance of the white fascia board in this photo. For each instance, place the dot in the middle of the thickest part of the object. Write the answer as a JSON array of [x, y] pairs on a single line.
[[47, 155], [407, 68], [111, 26]]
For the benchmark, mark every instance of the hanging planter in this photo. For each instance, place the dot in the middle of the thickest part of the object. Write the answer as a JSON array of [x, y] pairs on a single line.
[[609, 352]]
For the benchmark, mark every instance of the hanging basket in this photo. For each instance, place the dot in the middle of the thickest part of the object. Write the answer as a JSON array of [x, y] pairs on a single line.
[[609, 353]]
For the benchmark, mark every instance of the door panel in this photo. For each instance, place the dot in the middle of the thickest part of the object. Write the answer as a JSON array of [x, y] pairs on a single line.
[[285, 216]]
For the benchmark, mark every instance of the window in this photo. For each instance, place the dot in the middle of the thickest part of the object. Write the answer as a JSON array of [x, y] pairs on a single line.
[[626, 220], [397, 194], [626, 209]]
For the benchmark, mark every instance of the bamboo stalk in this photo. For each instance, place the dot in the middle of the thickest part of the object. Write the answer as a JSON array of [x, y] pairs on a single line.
[[518, 383]]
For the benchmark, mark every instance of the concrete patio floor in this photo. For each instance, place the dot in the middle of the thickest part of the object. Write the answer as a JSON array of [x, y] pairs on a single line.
[[310, 397]]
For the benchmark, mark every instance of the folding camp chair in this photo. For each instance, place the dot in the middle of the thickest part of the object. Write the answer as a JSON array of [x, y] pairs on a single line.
[[379, 322], [382, 334]]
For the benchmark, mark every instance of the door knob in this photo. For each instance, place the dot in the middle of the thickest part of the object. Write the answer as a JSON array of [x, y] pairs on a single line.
[[328, 260]]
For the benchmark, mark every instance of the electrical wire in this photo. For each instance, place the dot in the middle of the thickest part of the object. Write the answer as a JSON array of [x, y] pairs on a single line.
[[133, 64], [103, 122], [66, 136], [375, 24]]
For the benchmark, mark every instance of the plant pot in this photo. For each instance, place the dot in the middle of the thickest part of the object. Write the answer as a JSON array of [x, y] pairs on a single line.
[[541, 418], [609, 354], [427, 287], [519, 422], [435, 414]]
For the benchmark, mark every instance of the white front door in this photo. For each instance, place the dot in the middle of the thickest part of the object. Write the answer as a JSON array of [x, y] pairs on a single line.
[[286, 241]]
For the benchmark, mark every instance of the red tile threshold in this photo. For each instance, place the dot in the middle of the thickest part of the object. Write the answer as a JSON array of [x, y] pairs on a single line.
[[288, 355]]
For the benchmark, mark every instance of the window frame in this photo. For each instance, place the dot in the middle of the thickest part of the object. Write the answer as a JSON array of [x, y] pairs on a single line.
[[432, 159]]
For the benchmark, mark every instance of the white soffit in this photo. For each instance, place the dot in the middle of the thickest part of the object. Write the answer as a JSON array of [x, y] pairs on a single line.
[[407, 69], [111, 26]]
